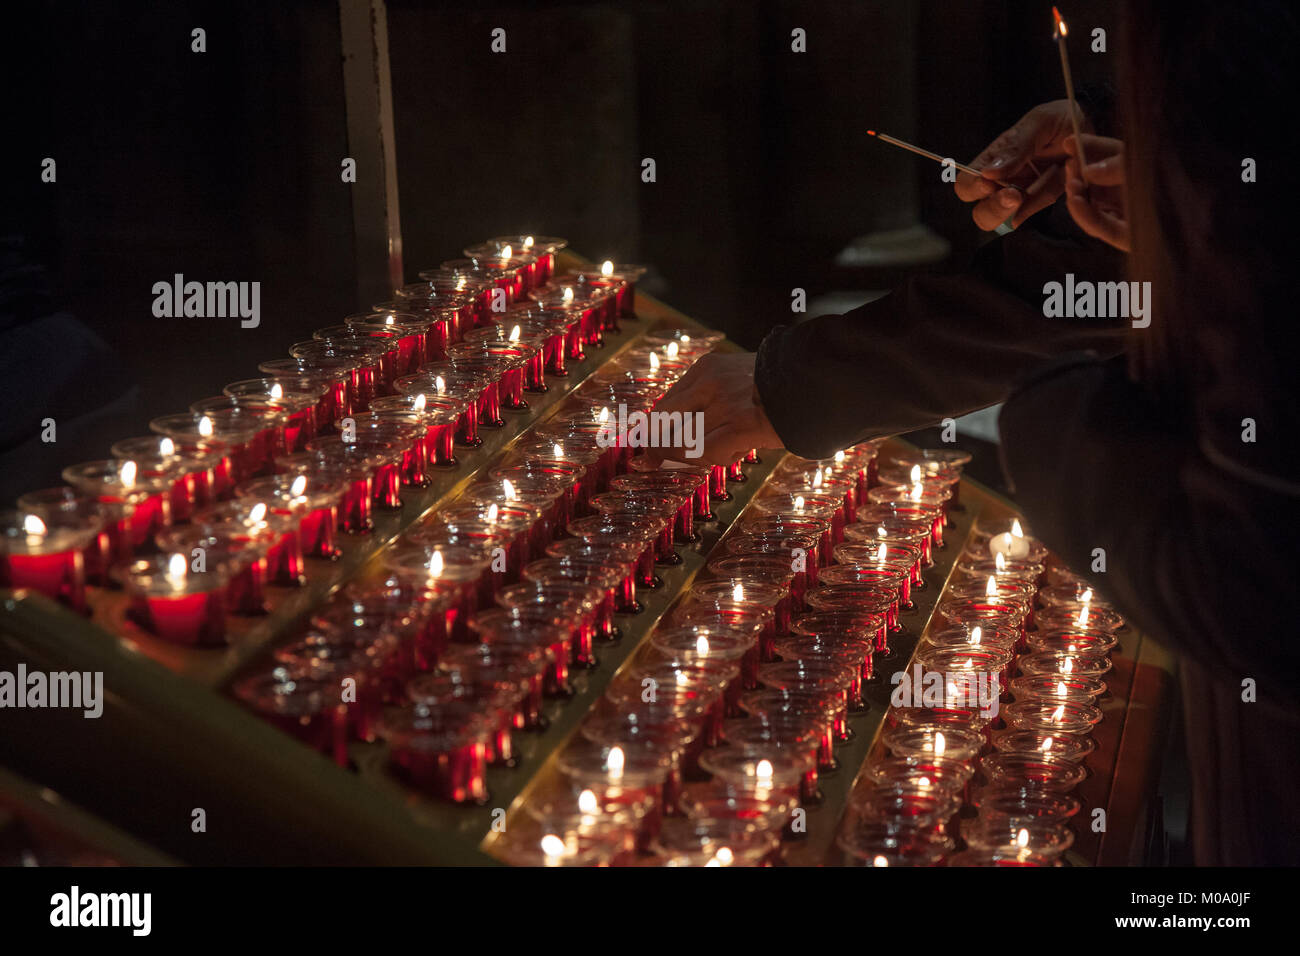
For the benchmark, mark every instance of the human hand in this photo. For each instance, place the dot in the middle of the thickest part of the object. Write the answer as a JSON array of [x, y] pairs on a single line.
[[721, 386], [1030, 157], [1098, 207]]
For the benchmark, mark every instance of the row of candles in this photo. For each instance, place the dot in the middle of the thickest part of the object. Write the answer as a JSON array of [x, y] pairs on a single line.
[[196, 519], [707, 749], [959, 782]]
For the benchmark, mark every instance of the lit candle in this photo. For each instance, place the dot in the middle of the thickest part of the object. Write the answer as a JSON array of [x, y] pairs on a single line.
[[1010, 544]]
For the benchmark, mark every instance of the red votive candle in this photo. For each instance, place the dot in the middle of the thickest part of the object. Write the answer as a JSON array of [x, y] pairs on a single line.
[[302, 703], [176, 603], [114, 482], [45, 553], [110, 544]]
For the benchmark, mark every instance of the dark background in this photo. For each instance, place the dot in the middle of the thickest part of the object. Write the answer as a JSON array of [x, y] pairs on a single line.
[[224, 165]]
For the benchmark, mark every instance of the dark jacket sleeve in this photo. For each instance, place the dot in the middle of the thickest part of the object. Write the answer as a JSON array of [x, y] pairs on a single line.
[[938, 346], [1198, 554]]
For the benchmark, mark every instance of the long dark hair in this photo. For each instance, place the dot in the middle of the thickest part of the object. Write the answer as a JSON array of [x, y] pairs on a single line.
[[1204, 86]]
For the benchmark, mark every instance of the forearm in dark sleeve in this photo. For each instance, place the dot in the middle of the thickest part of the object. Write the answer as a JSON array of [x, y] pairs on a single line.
[[938, 346]]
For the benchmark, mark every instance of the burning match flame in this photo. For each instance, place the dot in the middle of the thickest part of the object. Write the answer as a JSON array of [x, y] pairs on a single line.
[[1060, 22]]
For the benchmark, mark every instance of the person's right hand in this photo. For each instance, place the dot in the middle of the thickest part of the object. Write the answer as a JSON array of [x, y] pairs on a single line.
[[1030, 156]]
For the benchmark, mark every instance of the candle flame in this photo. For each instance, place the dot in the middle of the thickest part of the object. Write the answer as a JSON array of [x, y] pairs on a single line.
[[672, 350], [419, 402], [299, 486], [1068, 666], [798, 502], [976, 634], [654, 362], [257, 512], [882, 552], [1000, 561], [493, 512], [738, 592], [552, 845], [764, 772], [127, 474], [205, 426], [435, 564], [702, 646], [528, 242], [924, 782], [915, 473], [514, 334], [508, 490], [557, 450], [723, 857], [166, 447], [880, 861], [1086, 596], [1061, 689], [1016, 530], [176, 568], [839, 457], [440, 384], [568, 293], [882, 532], [1022, 838], [603, 417], [817, 479], [34, 525], [1058, 714], [587, 802], [940, 745], [991, 589], [615, 762], [277, 390], [607, 267], [507, 251], [1048, 742], [1082, 619]]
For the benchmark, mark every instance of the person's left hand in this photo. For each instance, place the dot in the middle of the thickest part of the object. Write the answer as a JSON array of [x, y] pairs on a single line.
[[721, 386], [1099, 207]]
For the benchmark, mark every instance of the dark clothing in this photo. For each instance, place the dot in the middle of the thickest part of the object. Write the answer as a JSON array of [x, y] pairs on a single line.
[[1197, 540]]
